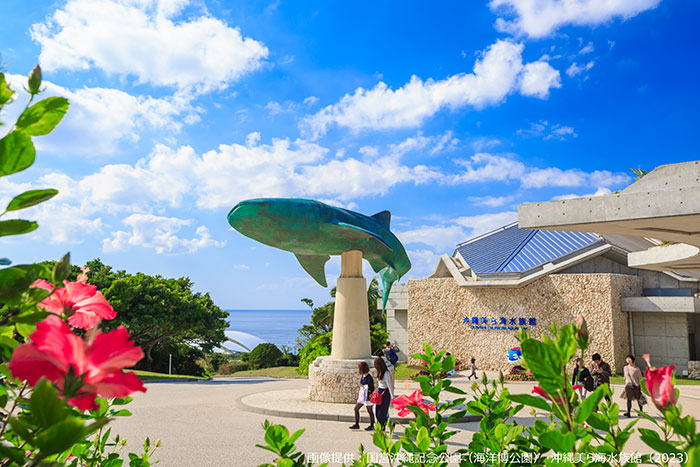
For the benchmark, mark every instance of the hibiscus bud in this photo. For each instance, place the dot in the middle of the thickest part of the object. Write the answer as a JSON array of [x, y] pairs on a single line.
[[158, 443], [35, 80], [659, 384], [581, 330]]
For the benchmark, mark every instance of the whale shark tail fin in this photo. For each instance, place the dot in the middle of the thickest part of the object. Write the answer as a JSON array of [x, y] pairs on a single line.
[[315, 265], [389, 276]]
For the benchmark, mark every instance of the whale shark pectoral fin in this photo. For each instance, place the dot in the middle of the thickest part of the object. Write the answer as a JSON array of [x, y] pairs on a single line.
[[383, 218], [389, 276], [315, 265], [366, 232]]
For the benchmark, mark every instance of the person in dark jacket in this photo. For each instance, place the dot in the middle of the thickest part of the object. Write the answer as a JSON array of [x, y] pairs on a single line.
[[365, 380], [581, 376], [601, 372]]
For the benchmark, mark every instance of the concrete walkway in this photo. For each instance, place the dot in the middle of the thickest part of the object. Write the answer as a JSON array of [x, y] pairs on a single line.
[[200, 424]]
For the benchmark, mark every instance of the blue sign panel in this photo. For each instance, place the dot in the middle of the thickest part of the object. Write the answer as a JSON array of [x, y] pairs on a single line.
[[499, 323]]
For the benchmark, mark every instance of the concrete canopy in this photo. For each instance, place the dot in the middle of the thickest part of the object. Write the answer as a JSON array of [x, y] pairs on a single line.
[[662, 205]]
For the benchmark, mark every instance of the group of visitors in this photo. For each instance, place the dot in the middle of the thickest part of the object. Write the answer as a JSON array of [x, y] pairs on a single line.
[[586, 380], [369, 398]]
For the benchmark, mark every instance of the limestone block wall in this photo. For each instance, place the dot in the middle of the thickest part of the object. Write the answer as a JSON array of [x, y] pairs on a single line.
[[437, 308], [694, 369]]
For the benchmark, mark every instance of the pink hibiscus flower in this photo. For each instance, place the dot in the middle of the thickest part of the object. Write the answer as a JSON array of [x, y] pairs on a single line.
[[541, 392], [416, 398], [81, 303], [80, 370], [659, 384]]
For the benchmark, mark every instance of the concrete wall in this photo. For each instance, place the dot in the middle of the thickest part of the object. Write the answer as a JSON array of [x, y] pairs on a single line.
[[397, 319], [650, 279], [397, 326], [664, 336], [438, 306]]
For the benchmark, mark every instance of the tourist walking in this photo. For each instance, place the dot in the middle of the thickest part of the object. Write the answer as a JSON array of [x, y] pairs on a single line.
[[384, 389], [390, 354], [633, 388], [601, 372], [366, 388], [581, 377], [474, 368]]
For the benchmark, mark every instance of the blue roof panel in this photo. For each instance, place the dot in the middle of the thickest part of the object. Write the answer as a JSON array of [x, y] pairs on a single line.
[[516, 250]]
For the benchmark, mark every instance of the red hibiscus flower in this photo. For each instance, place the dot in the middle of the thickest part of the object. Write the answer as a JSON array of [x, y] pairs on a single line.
[[416, 398], [80, 370], [81, 303], [659, 384], [541, 392], [576, 386]]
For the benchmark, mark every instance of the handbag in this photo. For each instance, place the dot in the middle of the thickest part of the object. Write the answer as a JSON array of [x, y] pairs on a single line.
[[643, 400], [376, 398], [362, 394]]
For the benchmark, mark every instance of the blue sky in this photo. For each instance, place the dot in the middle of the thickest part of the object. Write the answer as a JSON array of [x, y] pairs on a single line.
[[449, 115]]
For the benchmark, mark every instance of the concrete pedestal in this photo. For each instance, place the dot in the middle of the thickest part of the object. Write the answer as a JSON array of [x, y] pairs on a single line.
[[332, 380], [335, 378]]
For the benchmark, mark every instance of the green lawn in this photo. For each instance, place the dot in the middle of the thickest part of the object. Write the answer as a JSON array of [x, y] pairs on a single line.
[[151, 375], [275, 372], [402, 371]]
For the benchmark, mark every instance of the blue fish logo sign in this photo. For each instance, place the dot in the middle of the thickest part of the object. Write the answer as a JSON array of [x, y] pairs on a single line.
[[514, 355]]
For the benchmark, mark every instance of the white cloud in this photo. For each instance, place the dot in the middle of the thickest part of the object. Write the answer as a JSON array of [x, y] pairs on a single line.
[[158, 233], [275, 108], [586, 49], [492, 201], [548, 131], [561, 132], [483, 223], [553, 176], [498, 72], [540, 18], [99, 119], [538, 78], [598, 192], [484, 167], [143, 38], [423, 262], [575, 69]]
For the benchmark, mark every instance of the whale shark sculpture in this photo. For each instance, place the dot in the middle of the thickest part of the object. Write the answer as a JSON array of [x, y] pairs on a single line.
[[313, 231]]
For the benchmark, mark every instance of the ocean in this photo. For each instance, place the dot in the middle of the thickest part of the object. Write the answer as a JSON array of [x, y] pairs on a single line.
[[278, 327]]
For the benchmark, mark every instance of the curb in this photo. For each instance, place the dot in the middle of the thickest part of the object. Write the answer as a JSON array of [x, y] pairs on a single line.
[[327, 417], [178, 380]]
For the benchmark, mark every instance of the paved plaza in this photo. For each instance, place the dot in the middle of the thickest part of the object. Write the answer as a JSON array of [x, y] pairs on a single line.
[[202, 423]]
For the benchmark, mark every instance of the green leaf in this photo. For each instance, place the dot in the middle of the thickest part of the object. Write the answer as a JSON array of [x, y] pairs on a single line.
[[423, 439], [60, 436], [122, 400], [558, 442], [24, 329], [30, 198], [42, 117], [17, 455], [121, 413], [588, 405], [532, 401], [598, 422], [17, 227], [45, 404], [21, 428], [6, 94], [651, 438], [62, 269], [16, 153]]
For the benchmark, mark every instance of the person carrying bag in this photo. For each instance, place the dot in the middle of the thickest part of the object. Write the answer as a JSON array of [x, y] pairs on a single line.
[[364, 397]]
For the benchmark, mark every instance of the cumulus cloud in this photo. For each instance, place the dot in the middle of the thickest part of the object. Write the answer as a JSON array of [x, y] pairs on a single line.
[[538, 78], [492, 201], [576, 69], [100, 119], [498, 72], [540, 18], [483, 167], [158, 233], [147, 39], [555, 177], [547, 131]]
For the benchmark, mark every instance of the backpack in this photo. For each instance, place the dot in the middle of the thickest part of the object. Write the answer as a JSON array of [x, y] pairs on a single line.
[[393, 358]]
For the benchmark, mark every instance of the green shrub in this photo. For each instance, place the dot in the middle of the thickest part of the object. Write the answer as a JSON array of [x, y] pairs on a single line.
[[316, 347], [231, 367], [264, 355], [216, 359]]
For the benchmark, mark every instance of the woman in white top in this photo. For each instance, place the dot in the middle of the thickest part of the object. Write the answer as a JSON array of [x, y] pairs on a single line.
[[633, 379], [384, 387]]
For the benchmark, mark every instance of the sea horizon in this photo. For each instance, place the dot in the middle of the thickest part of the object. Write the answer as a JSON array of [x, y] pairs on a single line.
[[276, 326]]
